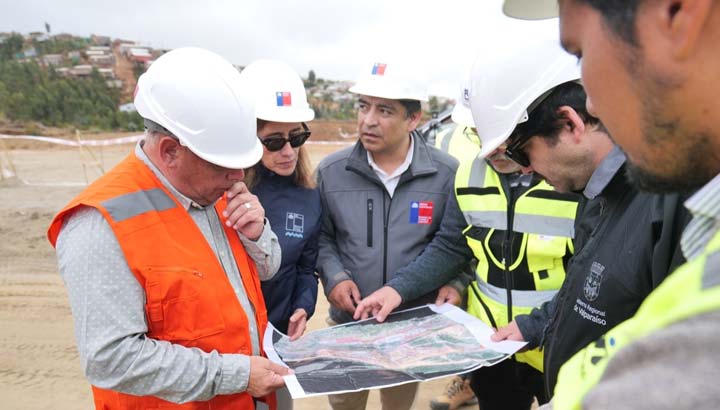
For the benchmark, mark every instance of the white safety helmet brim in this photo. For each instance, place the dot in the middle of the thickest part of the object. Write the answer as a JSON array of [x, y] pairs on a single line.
[[278, 91], [387, 93], [296, 114], [232, 160], [531, 9], [197, 96], [462, 115]]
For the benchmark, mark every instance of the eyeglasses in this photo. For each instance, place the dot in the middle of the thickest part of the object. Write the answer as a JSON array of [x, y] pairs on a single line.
[[276, 142], [515, 151]]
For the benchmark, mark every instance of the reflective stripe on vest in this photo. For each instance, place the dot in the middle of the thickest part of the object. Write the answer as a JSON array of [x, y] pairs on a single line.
[[693, 289], [480, 305], [521, 298], [442, 141], [471, 181], [135, 203]]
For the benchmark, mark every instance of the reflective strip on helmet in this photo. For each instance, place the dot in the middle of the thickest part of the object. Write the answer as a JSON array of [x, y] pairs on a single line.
[[544, 225], [526, 298], [133, 204]]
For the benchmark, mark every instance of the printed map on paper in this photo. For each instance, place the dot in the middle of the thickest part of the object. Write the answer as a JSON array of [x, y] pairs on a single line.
[[418, 344]]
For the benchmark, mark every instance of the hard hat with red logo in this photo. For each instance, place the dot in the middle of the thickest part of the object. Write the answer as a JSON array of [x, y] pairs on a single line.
[[199, 98], [393, 80], [278, 91]]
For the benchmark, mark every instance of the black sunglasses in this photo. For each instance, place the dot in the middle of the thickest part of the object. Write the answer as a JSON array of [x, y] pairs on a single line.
[[276, 142], [515, 152]]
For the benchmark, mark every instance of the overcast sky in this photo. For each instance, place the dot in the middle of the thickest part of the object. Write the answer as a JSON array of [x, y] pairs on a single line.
[[336, 38]]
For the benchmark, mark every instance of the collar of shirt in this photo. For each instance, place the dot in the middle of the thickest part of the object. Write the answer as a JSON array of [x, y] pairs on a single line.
[[184, 201], [604, 173], [391, 180], [706, 201]]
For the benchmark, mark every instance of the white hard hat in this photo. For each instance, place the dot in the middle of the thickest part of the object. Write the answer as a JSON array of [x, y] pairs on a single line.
[[392, 80], [531, 9], [505, 84], [197, 96], [278, 90], [461, 113]]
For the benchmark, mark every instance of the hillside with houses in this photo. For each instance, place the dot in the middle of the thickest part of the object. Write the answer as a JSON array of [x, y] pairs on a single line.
[[64, 80]]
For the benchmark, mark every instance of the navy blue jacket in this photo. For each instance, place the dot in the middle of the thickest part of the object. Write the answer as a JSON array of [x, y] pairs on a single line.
[[294, 213]]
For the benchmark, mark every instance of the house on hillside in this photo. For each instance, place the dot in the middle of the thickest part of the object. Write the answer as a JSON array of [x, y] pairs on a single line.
[[53, 59], [340, 86], [100, 40], [105, 61], [63, 37], [74, 57], [29, 52], [118, 41], [104, 49], [83, 70], [140, 55], [37, 36], [115, 83], [107, 73], [125, 47], [157, 52], [94, 53], [63, 71]]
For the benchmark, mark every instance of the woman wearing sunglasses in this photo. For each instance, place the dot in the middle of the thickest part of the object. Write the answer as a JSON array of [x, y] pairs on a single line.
[[283, 182]]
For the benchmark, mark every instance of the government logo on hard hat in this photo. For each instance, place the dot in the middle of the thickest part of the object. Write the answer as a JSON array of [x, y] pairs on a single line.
[[379, 69], [593, 281], [284, 99]]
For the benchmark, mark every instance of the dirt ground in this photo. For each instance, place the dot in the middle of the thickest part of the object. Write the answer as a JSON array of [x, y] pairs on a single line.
[[39, 365]]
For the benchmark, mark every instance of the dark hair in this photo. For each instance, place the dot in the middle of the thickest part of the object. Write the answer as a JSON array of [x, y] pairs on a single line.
[[619, 16], [411, 107], [546, 122], [303, 170]]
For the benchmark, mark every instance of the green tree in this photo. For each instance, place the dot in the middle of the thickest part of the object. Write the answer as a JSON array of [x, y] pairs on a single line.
[[310, 79], [11, 46], [29, 93]]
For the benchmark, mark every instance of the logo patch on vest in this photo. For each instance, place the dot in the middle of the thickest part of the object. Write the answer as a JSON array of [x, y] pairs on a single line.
[[294, 225], [593, 281], [421, 212]]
